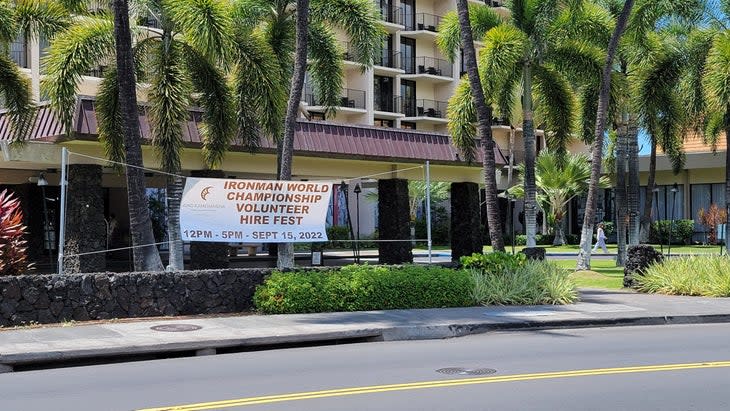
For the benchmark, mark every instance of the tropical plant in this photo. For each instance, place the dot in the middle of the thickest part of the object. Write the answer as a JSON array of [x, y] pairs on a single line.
[[698, 275], [13, 249], [557, 184], [584, 255], [28, 20], [298, 32], [482, 109], [526, 52], [183, 65], [711, 218]]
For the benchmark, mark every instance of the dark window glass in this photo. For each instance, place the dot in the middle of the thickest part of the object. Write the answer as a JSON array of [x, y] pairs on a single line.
[[383, 93], [408, 93], [409, 13], [408, 54]]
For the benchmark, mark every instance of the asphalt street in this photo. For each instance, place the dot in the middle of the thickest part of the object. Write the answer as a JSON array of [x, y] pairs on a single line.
[[627, 368]]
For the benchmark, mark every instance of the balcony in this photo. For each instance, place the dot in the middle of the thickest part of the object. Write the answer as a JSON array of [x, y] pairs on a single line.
[[393, 18], [351, 100], [430, 111], [389, 107], [423, 25], [388, 62], [428, 68]]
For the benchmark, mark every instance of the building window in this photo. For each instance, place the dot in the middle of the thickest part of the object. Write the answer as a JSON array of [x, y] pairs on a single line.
[[408, 54], [19, 51], [383, 94], [701, 197], [409, 13], [381, 122], [314, 116], [408, 94], [407, 125]]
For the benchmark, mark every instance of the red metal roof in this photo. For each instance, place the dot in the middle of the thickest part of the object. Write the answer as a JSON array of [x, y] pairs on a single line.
[[312, 137]]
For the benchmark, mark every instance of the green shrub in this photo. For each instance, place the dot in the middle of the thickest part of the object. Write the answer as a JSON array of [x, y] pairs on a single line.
[[682, 231], [496, 262], [362, 288], [534, 282], [336, 234], [698, 275]]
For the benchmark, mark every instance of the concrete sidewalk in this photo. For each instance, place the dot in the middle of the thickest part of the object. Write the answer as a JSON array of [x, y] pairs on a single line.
[[597, 308]]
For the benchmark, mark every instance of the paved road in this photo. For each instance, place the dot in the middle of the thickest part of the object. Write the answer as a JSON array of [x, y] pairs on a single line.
[[629, 368]]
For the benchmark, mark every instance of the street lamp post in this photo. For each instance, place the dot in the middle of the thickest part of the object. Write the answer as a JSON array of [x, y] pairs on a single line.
[[510, 203], [42, 183], [656, 206], [674, 190], [357, 192]]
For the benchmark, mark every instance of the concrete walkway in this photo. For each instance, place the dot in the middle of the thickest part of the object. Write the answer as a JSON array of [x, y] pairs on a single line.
[[597, 308]]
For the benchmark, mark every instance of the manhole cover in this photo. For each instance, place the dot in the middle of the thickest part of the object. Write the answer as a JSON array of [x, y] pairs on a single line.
[[466, 371], [176, 328]]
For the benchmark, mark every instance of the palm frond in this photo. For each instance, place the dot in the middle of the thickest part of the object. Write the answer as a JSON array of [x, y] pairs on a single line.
[[169, 98], [325, 67], [109, 117], [696, 48], [461, 113], [716, 79], [15, 88], [581, 61], [504, 49], [205, 24], [359, 19], [555, 98], [247, 14], [259, 89], [481, 18], [73, 53], [591, 23], [41, 17], [280, 33], [216, 100], [714, 127], [8, 23]]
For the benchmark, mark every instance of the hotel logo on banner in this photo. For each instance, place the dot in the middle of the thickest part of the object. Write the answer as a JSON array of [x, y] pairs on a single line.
[[257, 211]]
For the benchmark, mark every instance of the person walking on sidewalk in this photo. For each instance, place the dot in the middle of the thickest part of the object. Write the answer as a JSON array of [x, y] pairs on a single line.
[[601, 240]]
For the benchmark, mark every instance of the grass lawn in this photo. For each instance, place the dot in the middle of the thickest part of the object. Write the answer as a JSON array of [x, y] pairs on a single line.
[[603, 274], [676, 249]]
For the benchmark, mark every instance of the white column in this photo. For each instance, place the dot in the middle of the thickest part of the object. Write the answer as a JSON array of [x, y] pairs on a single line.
[[35, 68]]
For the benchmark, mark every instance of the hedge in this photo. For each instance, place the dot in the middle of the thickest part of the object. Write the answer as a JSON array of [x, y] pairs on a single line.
[[363, 288]]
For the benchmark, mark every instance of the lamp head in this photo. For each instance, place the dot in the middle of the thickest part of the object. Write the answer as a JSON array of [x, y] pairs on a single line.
[[42, 180], [674, 188], [357, 189]]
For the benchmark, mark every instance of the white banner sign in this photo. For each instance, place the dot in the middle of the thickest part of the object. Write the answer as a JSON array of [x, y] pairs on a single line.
[[254, 211]]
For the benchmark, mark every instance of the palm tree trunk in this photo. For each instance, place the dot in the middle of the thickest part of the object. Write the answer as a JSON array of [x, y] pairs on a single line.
[[174, 195], [559, 229], [286, 250], [484, 127], [632, 196], [586, 235], [620, 190], [146, 257], [528, 135], [649, 197]]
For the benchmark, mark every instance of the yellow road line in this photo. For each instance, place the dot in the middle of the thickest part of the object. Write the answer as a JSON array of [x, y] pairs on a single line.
[[436, 384]]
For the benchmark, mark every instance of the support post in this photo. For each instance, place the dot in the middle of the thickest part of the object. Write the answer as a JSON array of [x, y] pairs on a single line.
[[62, 222], [428, 210]]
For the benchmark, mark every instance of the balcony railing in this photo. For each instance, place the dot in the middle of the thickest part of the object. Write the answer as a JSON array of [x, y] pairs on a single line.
[[392, 15], [388, 59], [428, 65], [389, 104], [500, 121], [424, 108], [423, 22], [350, 98], [494, 3]]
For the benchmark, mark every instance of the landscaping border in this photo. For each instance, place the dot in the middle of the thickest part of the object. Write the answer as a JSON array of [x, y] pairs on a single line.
[[45, 299]]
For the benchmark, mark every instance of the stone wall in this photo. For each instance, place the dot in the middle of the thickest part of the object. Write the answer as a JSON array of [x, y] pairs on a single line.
[[80, 297], [466, 233], [394, 222]]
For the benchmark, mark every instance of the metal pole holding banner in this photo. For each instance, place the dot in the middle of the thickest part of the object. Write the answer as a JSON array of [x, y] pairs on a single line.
[[62, 223], [428, 209]]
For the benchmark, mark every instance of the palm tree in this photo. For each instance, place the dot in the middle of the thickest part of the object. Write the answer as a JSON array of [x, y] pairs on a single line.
[[28, 20], [298, 31], [558, 181], [182, 65], [710, 68], [586, 239], [483, 110], [519, 54]]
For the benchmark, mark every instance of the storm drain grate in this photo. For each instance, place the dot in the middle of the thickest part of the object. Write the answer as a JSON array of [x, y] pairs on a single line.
[[176, 328], [466, 371]]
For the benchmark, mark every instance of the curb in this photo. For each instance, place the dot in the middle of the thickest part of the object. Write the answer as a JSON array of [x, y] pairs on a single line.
[[50, 359]]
